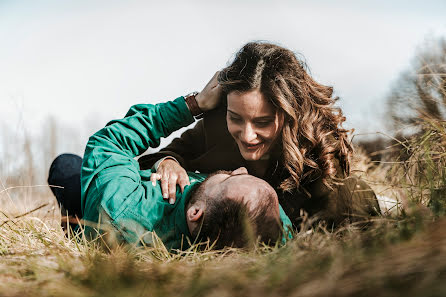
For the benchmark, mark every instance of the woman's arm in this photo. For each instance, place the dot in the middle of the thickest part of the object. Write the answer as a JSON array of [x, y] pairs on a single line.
[[188, 146]]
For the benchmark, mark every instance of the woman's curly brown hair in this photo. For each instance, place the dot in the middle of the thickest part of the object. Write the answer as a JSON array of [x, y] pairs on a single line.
[[313, 140]]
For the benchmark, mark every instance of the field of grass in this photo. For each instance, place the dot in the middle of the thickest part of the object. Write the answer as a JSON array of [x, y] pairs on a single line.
[[404, 257], [403, 253], [400, 255]]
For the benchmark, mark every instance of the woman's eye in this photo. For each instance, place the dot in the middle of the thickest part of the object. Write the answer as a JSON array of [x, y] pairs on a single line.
[[263, 123], [235, 120]]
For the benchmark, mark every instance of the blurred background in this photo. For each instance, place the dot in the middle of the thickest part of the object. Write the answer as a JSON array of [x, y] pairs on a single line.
[[68, 67]]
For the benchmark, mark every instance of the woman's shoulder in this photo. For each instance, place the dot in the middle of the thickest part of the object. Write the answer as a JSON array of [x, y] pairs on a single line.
[[215, 128], [215, 119]]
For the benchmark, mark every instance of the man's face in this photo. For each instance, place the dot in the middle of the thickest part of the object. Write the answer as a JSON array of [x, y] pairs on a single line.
[[237, 184]]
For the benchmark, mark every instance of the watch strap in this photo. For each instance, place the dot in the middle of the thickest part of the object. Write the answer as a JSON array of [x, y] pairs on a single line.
[[193, 105]]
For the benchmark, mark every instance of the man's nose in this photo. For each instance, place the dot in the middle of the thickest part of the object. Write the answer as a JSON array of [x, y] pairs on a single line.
[[238, 171], [248, 133]]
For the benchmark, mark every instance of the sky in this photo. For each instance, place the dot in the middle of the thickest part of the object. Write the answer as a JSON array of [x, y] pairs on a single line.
[[82, 63]]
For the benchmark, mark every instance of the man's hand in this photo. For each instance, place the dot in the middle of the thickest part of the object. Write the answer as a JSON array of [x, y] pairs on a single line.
[[170, 173], [209, 97]]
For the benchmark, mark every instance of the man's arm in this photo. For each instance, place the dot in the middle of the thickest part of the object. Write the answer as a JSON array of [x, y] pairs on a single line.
[[110, 177], [190, 145]]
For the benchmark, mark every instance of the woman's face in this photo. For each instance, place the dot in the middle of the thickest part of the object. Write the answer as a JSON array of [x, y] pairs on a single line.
[[253, 123]]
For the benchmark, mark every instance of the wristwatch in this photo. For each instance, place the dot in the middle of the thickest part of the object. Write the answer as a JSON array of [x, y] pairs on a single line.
[[192, 103]]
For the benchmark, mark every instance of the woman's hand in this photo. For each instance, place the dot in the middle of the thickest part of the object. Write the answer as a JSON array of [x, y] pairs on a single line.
[[171, 174], [209, 98]]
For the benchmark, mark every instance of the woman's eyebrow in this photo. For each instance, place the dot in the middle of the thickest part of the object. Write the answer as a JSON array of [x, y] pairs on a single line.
[[233, 112], [265, 118]]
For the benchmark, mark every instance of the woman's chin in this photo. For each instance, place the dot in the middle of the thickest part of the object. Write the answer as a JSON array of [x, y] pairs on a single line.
[[251, 156]]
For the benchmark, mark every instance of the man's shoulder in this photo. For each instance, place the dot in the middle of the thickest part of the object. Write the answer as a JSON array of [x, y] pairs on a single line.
[[195, 177]]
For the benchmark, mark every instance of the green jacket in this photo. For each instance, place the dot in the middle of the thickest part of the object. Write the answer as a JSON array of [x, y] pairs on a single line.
[[116, 191]]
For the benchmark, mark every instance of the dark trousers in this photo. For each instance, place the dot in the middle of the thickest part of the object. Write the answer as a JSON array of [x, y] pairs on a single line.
[[64, 181]]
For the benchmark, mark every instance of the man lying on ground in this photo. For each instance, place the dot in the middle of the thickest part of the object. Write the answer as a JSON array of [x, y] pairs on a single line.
[[230, 208]]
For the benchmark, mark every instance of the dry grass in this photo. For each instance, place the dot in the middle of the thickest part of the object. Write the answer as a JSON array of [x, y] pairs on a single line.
[[402, 255], [395, 257]]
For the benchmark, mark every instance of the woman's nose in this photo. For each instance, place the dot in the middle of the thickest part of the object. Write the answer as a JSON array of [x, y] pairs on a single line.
[[248, 133]]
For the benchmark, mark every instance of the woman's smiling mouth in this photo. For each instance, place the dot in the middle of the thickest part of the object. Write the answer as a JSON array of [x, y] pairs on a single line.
[[249, 146]]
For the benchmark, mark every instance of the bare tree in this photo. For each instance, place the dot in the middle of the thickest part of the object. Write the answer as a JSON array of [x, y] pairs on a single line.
[[420, 92]]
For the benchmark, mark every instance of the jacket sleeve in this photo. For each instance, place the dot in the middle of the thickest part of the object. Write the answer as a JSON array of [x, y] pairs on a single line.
[[190, 145], [110, 176]]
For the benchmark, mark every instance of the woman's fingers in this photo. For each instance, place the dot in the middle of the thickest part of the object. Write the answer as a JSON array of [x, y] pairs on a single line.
[[165, 186], [182, 182], [171, 174], [154, 177], [172, 188], [175, 180]]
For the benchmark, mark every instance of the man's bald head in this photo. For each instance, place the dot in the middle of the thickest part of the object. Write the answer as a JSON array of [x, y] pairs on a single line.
[[234, 208]]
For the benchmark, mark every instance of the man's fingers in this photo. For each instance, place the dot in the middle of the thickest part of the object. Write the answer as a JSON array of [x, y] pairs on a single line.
[[214, 81], [217, 88], [215, 77]]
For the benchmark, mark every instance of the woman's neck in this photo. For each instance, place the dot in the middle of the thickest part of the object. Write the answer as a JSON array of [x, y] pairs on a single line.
[[257, 168]]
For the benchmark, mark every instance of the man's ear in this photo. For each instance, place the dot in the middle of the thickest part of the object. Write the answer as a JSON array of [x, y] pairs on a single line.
[[194, 213]]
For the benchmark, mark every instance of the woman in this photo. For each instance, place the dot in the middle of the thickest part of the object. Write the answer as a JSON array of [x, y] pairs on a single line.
[[279, 123]]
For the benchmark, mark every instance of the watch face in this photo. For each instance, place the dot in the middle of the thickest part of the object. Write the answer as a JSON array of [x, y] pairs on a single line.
[[191, 94]]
